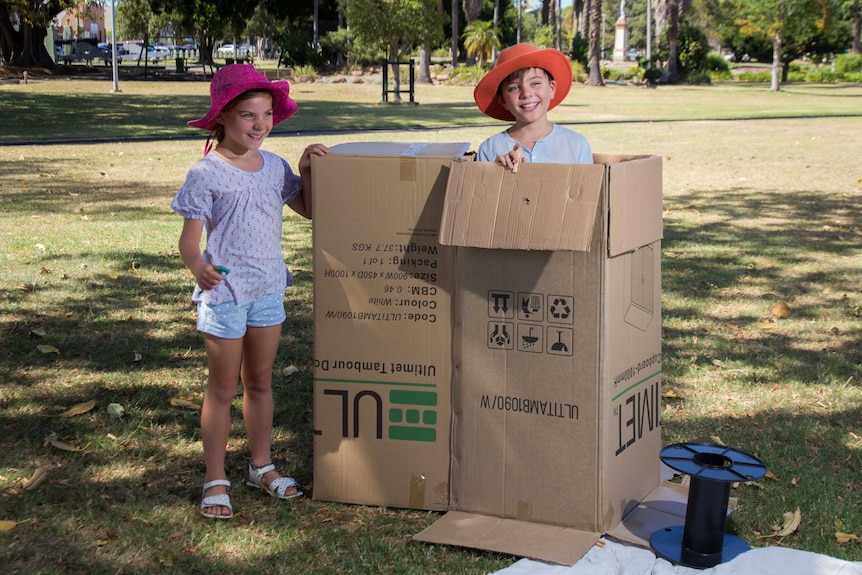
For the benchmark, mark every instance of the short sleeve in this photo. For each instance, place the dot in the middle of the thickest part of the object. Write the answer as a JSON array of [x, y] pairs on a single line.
[[194, 201], [292, 184]]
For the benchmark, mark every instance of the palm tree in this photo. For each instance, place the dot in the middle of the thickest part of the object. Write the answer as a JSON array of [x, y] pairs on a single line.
[[472, 9], [595, 11], [480, 40]]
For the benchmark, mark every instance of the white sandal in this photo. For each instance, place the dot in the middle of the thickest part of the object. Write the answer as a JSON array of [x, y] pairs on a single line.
[[220, 500], [277, 487]]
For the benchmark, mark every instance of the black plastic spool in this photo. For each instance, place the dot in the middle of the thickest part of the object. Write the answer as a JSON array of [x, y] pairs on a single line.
[[702, 542]]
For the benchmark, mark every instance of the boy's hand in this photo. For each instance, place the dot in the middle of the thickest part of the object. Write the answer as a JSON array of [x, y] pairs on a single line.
[[511, 160]]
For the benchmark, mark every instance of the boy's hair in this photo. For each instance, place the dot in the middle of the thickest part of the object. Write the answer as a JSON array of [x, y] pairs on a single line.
[[518, 74]]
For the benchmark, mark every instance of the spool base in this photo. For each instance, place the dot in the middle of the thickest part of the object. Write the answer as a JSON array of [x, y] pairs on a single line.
[[667, 544]]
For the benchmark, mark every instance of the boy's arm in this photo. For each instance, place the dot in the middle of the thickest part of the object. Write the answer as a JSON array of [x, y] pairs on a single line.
[[205, 274], [303, 204]]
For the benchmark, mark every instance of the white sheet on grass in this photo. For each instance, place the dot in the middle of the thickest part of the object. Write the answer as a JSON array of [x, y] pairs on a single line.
[[616, 559]]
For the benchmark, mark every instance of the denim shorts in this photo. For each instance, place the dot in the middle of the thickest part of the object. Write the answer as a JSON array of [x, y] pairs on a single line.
[[229, 320]]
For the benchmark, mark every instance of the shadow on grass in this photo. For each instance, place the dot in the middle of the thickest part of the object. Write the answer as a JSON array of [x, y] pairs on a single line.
[[808, 239], [99, 117]]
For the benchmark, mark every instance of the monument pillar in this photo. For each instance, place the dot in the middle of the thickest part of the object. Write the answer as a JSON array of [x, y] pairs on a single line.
[[621, 38]]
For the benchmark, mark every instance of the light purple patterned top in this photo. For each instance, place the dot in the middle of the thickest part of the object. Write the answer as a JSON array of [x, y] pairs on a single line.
[[243, 215]]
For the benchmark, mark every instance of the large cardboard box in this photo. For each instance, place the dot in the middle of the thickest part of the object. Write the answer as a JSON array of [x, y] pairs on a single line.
[[509, 373], [556, 391], [382, 325]]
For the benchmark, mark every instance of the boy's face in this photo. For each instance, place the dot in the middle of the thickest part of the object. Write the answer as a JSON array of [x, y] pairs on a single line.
[[528, 97]]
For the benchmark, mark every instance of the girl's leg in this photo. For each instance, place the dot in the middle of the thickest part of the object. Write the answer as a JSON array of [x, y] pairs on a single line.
[[259, 348], [224, 357]]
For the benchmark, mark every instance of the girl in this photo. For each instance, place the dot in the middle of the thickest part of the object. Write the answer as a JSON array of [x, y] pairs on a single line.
[[237, 193]]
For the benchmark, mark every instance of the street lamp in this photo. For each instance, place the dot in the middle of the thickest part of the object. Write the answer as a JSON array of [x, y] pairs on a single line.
[[114, 45]]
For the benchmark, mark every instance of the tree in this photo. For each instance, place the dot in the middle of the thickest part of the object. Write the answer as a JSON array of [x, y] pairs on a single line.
[[480, 39], [595, 43], [794, 27], [23, 27], [396, 26]]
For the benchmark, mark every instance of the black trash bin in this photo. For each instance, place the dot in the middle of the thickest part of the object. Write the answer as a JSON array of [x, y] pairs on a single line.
[[181, 64]]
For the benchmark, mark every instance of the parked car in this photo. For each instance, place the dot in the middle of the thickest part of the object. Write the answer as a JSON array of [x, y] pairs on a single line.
[[232, 51], [105, 52], [158, 52]]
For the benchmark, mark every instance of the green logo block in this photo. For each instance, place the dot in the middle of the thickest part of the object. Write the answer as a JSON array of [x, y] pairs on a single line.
[[412, 417]]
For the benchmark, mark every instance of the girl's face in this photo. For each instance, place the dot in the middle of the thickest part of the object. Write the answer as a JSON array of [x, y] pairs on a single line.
[[248, 122], [529, 96]]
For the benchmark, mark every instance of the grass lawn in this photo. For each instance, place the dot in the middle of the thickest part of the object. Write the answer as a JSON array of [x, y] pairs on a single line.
[[762, 320]]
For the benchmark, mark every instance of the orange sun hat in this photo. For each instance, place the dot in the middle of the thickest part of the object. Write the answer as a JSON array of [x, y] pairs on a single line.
[[515, 58]]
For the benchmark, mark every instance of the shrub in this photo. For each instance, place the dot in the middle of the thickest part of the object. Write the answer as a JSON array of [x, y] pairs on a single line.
[[825, 76], [716, 63], [579, 72], [754, 77], [699, 78], [845, 63], [306, 70]]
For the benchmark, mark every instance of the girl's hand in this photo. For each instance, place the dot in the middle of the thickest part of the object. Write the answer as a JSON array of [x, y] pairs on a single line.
[[313, 149], [512, 159], [208, 277]]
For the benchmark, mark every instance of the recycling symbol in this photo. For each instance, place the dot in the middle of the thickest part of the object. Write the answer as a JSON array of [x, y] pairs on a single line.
[[560, 308]]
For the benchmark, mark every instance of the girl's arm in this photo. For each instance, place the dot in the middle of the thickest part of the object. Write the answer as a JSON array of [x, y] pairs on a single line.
[[190, 251], [304, 202]]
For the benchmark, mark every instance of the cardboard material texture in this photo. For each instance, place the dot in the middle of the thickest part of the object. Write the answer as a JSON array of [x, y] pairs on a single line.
[[510, 373], [382, 325], [557, 352]]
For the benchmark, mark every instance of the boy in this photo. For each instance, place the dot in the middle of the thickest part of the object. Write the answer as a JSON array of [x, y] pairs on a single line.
[[524, 84]]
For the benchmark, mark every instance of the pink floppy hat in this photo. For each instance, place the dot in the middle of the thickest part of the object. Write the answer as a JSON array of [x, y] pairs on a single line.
[[515, 58], [232, 80]]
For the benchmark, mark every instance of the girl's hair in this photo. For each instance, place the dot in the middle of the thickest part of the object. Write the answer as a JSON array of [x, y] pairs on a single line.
[[218, 133], [517, 75]]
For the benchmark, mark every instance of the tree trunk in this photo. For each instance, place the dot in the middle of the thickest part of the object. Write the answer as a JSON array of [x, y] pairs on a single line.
[[857, 31], [672, 40], [455, 33], [424, 76], [472, 9], [595, 43], [25, 47], [396, 74], [496, 26], [776, 63]]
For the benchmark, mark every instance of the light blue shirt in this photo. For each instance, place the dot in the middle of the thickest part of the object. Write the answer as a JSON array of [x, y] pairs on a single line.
[[561, 146]]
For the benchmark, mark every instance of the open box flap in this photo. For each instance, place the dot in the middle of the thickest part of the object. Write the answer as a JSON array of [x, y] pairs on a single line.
[[635, 201], [663, 507], [552, 543], [540, 207]]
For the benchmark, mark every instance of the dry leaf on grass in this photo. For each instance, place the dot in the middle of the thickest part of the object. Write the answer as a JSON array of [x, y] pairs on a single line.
[[791, 522], [185, 404], [48, 349], [847, 538], [8, 525], [53, 440], [780, 309], [79, 409], [37, 478]]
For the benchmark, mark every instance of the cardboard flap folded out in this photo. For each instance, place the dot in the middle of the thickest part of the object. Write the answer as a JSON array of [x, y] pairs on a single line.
[[541, 207], [561, 545], [635, 209]]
